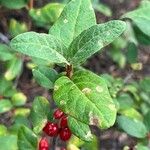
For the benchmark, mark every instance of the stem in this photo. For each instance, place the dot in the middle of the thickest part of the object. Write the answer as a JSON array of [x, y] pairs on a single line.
[[69, 71], [31, 3]]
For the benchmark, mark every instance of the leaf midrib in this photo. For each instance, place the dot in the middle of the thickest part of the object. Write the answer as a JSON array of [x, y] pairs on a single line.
[[80, 49], [76, 19]]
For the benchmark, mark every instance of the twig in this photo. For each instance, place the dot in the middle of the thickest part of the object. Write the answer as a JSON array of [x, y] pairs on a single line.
[[69, 71]]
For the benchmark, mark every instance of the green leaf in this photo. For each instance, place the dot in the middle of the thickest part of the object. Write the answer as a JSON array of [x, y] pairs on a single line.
[[5, 105], [14, 4], [133, 127], [144, 108], [85, 98], [80, 129], [125, 101], [77, 16], [140, 146], [141, 37], [129, 34], [144, 3], [27, 140], [41, 62], [102, 8], [145, 84], [5, 53], [131, 113], [18, 99], [39, 113], [18, 122], [147, 120], [22, 120], [141, 18], [118, 57], [8, 141], [16, 27], [47, 15], [132, 53], [3, 130], [13, 69], [6, 88], [133, 90], [39, 45], [93, 39], [93, 145], [45, 76], [22, 112]]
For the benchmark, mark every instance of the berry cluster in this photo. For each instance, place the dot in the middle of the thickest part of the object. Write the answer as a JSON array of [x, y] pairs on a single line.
[[54, 129]]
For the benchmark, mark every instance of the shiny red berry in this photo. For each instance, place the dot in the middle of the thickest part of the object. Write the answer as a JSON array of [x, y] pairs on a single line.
[[43, 144], [65, 134], [64, 122], [58, 114], [51, 129]]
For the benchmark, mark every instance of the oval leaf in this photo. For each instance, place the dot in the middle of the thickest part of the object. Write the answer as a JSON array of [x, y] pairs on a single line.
[[86, 98], [15, 4], [78, 15], [39, 113], [5, 53], [39, 45], [5, 105], [19, 99], [45, 76], [80, 129], [8, 141], [47, 15], [131, 113], [147, 120], [93, 39], [3, 130], [133, 127], [22, 112], [14, 68], [141, 17], [27, 140]]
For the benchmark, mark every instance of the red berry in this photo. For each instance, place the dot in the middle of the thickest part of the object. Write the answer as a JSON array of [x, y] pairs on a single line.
[[65, 134], [43, 144], [58, 114], [51, 129], [64, 122]]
